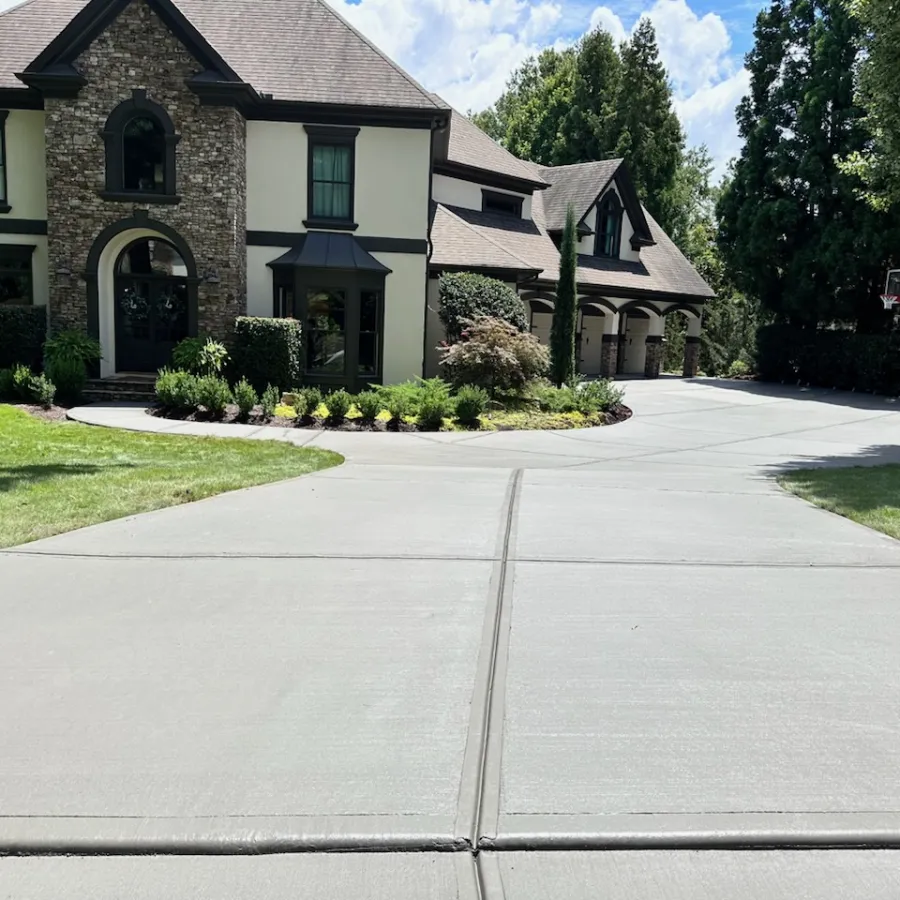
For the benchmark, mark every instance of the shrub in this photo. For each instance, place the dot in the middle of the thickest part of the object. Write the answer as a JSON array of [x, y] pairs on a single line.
[[471, 402], [739, 368], [69, 374], [495, 356], [7, 385], [245, 398], [597, 397], [22, 383], [338, 404], [267, 351], [411, 393], [200, 355], [463, 295], [432, 412], [42, 391], [269, 399], [308, 401], [72, 344], [22, 333], [398, 405], [177, 390], [369, 405], [214, 394]]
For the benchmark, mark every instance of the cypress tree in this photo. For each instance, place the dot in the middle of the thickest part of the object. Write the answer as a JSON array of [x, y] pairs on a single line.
[[562, 333]]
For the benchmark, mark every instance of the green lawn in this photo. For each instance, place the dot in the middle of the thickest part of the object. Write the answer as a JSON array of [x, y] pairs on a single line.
[[870, 496], [57, 476]]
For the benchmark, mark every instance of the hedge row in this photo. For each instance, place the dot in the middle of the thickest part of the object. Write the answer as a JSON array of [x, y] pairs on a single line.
[[830, 358], [267, 351], [23, 330]]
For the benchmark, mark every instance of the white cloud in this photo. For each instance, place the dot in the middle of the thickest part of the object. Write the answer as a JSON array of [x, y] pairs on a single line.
[[603, 17]]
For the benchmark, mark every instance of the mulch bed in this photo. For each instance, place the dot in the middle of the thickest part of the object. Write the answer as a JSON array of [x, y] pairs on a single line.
[[617, 414], [53, 414]]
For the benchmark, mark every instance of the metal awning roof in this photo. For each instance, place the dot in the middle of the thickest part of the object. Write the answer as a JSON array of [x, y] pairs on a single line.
[[328, 250]]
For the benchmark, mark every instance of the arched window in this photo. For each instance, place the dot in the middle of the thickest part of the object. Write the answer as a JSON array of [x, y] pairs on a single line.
[[140, 152], [609, 226]]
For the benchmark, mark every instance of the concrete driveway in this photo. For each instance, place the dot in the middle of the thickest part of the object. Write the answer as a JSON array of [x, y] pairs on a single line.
[[552, 648]]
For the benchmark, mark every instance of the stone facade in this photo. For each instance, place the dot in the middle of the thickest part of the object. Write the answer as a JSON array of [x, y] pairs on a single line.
[[691, 357], [609, 356], [653, 359], [138, 51]]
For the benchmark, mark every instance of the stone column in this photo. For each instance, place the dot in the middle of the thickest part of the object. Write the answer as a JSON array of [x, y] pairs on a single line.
[[653, 359], [609, 352], [692, 349]]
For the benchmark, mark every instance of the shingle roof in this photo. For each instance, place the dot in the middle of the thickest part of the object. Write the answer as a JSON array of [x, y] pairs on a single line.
[[578, 184], [662, 269], [469, 146], [298, 50], [458, 242], [26, 29]]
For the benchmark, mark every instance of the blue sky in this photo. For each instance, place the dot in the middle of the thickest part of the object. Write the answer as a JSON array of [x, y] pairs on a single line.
[[465, 49]]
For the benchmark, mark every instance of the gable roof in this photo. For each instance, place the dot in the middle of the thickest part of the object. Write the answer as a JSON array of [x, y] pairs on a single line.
[[470, 151], [295, 50]]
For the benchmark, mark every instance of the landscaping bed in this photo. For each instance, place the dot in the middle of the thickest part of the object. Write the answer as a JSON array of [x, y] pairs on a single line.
[[58, 476]]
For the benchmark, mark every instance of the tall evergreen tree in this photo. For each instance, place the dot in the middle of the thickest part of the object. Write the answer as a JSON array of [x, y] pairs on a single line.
[[562, 332], [648, 134], [794, 231]]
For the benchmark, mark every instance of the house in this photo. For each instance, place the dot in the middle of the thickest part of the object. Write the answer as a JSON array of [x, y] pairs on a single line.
[[168, 165]]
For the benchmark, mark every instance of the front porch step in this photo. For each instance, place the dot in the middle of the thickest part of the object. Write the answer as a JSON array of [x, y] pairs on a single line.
[[137, 388]]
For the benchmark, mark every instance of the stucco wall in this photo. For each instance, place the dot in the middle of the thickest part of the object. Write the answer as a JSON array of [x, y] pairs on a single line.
[[391, 179], [26, 173], [635, 348], [137, 51], [467, 194]]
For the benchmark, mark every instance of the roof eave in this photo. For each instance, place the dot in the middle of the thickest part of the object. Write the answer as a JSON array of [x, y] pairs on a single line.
[[490, 177]]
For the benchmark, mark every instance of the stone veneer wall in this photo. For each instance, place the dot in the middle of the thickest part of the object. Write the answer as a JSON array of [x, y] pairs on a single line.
[[137, 51], [609, 356], [691, 357], [654, 357]]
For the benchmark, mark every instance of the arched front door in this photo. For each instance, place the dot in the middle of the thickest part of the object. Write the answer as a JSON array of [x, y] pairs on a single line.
[[151, 304]]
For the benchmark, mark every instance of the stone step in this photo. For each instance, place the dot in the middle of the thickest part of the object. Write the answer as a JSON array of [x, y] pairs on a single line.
[[100, 395]]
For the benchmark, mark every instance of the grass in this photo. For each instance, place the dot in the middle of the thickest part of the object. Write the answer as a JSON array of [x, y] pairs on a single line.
[[55, 476], [870, 496]]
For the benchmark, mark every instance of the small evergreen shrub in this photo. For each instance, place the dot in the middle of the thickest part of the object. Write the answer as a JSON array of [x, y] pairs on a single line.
[[471, 402], [69, 374], [432, 412], [739, 369], [22, 384], [245, 398], [42, 391], [597, 396], [398, 405], [23, 330], [338, 404], [214, 394], [369, 405], [177, 390], [268, 400], [464, 296], [496, 356], [267, 351], [309, 400]]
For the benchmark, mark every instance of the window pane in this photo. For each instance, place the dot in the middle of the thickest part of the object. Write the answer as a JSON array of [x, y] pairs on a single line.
[[369, 336], [325, 332], [323, 163], [2, 179], [323, 193], [332, 177], [340, 201], [143, 155], [15, 288], [152, 257]]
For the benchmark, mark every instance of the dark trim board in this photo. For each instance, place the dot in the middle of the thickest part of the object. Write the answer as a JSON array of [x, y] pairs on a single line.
[[23, 226], [371, 244], [21, 98], [619, 293], [519, 276], [485, 177]]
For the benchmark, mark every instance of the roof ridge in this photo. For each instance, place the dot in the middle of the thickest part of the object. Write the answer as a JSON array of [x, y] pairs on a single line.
[[484, 237], [589, 162], [378, 52]]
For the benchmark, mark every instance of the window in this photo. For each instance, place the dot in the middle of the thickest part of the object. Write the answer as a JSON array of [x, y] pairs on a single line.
[[4, 200], [326, 331], [369, 356], [16, 286], [507, 204], [609, 226], [140, 152], [332, 162]]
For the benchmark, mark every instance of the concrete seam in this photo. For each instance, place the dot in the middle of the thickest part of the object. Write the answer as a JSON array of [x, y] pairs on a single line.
[[472, 783], [490, 878]]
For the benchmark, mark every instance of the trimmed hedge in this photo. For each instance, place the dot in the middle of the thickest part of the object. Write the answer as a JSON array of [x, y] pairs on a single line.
[[464, 295], [267, 352], [829, 358], [23, 330]]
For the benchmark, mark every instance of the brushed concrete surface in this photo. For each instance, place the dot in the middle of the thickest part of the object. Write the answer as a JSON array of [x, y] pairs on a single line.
[[704, 875], [682, 650]]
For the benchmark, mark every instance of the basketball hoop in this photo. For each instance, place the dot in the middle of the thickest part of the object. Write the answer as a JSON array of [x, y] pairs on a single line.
[[889, 300]]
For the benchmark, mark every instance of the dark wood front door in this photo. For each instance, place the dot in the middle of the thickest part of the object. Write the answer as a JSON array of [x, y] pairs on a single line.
[[151, 318]]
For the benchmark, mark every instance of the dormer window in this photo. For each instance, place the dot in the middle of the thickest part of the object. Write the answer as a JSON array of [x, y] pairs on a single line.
[[140, 143], [505, 204], [609, 226]]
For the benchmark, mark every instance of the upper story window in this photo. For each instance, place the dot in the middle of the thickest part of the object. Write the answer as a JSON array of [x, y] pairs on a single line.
[[4, 197], [140, 143], [609, 226], [331, 177], [16, 284], [507, 204]]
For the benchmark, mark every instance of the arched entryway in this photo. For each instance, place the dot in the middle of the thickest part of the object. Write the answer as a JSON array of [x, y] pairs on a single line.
[[142, 294], [151, 304]]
